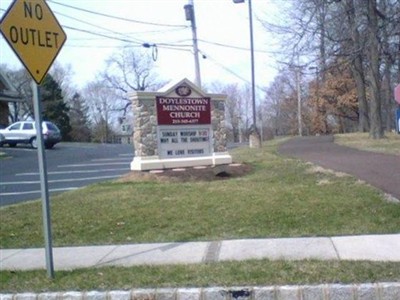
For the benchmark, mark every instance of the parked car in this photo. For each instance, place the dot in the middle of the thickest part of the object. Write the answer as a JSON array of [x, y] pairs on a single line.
[[24, 132]]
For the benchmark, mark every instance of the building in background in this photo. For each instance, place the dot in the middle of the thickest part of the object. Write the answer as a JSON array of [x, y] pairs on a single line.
[[8, 95]]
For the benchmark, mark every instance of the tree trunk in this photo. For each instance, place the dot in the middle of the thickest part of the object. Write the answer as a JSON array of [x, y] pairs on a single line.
[[388, 62], [388, 97], [357, 68], [321, 19], [358, 73], [376, 130]]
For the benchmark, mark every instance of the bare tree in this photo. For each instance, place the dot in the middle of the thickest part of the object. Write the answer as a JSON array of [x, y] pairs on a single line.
[[357, 66], [21, 81], [364, 33], [390, 53], [275, 95], [63, 75], [281, 104], [130, 70], [308, 26], [237, 107], [100, 101], [232, 111], [376, 130]]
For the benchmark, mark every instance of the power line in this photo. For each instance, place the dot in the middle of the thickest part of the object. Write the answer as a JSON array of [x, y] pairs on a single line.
[[103, 35], [115, 17], [173, 45], [159, 31], [95, 46], [230, 71], [94, 25], [146, 45], [224, 45], [127, 40], [172, 48], [125, 36], [237, 47], [224, 68]]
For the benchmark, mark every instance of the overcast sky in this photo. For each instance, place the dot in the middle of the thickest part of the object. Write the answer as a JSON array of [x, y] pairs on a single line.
[[218, 22]]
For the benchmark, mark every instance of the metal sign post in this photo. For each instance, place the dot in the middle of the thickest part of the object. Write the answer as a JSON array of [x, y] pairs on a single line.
[[43, 180]]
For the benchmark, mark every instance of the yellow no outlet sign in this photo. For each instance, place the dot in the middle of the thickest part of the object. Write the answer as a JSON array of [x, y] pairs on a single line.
[[33, 32]]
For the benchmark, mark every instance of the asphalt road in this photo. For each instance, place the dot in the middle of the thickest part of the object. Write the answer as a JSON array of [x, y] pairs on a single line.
[[69, 166], [379, 170]]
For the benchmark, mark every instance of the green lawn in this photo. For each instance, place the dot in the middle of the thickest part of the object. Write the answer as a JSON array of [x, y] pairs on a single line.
[[280, 197], [389, 144], [247, 273]]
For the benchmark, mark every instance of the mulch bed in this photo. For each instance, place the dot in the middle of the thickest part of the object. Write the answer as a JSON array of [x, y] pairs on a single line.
[[206, 173]]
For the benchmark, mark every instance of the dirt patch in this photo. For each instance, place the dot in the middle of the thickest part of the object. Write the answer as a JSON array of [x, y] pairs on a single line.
[[206, 173], [318, 169]]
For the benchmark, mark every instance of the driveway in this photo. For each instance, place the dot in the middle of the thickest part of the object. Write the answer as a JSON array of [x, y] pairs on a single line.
[[379, 170]]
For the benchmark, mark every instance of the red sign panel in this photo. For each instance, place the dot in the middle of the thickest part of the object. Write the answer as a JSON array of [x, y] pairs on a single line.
[[183, 111], [397, 93]]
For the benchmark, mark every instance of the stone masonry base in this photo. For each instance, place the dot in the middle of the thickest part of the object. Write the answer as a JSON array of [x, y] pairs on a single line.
[[370, 291]]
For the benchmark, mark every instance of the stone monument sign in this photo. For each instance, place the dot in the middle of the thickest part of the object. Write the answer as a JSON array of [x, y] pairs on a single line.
[[179, 127]]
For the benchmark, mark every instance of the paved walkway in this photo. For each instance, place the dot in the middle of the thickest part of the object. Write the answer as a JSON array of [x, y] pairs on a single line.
[[366, 247], [377, 169]]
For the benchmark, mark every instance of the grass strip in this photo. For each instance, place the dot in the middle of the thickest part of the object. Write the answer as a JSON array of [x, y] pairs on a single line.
[[389, 144], [246, 273]]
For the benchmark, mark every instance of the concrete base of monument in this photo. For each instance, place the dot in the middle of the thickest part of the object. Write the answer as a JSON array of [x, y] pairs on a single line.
[[146, 163]]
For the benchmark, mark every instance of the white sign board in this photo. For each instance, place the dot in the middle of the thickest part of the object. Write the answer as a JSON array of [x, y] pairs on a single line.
[[184, 141]]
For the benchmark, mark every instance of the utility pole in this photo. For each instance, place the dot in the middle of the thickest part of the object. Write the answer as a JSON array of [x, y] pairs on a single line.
[[253, 81], [190, 16], [254, 137], [298, 70], [298, 100]]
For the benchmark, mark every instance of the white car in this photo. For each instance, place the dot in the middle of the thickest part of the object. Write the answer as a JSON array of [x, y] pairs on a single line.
[[24, 132]]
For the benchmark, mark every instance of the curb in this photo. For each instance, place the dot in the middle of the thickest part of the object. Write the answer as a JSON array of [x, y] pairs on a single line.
[[378, 291]]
